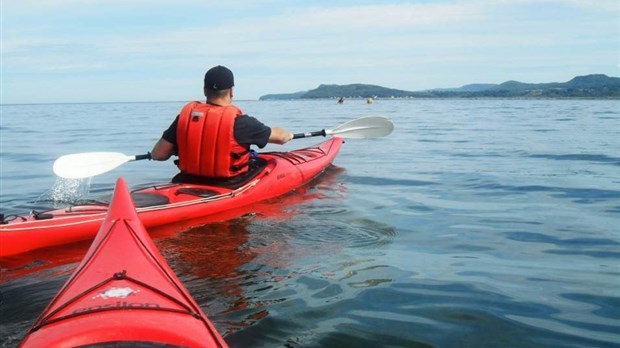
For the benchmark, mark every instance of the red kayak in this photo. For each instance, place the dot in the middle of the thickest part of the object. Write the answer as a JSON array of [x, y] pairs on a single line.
[[185, 204], [123, 294]]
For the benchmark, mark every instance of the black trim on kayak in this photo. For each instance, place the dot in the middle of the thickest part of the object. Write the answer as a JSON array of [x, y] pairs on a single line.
[[130, 344], [197, 191], [140, 199], [8, 218], [256, 166], [42, 216]]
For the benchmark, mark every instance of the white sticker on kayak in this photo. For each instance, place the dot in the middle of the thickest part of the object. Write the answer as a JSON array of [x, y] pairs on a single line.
[[116, 293]]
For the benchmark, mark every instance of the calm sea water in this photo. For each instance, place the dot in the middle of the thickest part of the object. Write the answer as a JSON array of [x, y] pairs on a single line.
[[477, 223]]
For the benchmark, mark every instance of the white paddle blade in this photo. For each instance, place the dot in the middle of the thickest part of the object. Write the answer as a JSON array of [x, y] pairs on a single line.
[[364, 127], [87, 164]]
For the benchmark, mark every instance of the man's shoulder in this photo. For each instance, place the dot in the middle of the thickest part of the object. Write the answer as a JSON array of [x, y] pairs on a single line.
[[246, 119]]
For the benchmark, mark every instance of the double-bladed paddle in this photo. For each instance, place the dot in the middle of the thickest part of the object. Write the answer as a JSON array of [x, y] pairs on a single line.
[[360, 128], [88, 164]]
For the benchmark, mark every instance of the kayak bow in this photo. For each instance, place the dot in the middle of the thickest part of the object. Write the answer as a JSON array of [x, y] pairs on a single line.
[[123, 293]]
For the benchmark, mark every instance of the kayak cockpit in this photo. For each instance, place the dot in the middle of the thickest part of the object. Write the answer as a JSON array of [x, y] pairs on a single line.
[[141, 199], [257, 166]]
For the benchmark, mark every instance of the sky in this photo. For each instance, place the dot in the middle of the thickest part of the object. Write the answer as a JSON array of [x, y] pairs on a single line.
[[65, 51]]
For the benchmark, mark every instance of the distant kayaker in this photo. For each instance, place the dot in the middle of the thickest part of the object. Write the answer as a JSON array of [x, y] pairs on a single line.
[[213, 139], [341, 100]]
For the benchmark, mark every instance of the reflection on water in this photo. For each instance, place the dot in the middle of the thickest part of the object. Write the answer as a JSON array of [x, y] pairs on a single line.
[[251, 268]]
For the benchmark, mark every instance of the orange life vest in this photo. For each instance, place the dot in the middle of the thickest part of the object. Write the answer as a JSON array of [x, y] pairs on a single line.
[[206, 142]]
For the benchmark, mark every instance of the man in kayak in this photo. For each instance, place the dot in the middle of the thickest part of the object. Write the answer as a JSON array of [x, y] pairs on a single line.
[[213, 139]]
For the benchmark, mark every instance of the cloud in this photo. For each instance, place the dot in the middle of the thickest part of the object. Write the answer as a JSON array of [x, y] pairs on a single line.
[[408, 45], [596, 5]]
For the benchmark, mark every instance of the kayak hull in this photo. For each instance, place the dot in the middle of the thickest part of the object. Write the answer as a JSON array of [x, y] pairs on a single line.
[[123, 291], [183, 204]]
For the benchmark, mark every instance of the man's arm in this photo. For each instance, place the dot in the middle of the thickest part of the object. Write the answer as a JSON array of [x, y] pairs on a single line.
[[280, 136], [162, 150]]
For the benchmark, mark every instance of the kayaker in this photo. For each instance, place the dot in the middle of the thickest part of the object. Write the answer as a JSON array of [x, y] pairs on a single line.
[[213, 139]]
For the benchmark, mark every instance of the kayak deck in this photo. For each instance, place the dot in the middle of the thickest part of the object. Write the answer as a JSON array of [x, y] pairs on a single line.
[[123, 291]]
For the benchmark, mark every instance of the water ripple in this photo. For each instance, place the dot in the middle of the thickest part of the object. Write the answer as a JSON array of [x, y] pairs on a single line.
[[578, 195], [598, 158], [571, 246], [383, 181]]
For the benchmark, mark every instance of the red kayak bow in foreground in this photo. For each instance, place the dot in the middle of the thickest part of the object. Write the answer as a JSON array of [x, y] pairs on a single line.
[[123, 294]]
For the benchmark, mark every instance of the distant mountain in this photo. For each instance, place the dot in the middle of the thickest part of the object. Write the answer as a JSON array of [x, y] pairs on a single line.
[[580, 82], [337, 91], [589, 86], [354, 90], [296, 95], [474, 87], [477, 87]]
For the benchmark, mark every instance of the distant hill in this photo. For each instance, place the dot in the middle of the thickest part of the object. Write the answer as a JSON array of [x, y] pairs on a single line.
[[589, 86], [474, 87], [296, 95]]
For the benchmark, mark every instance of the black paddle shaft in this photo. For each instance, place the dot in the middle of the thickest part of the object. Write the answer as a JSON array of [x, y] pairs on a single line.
[[143, 157], [311, 134]]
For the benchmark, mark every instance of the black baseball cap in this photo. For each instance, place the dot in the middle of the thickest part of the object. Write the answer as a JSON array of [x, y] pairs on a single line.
[[219, 78]]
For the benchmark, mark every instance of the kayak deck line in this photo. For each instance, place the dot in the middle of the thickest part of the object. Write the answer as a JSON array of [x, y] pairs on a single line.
[[96, 217]]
